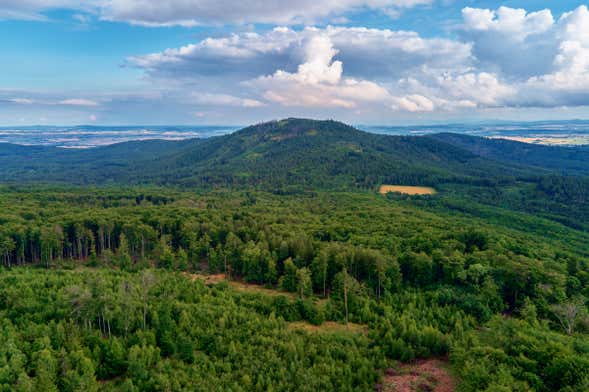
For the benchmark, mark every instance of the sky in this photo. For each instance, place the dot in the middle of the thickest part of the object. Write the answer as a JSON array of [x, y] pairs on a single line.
[[387, 62]]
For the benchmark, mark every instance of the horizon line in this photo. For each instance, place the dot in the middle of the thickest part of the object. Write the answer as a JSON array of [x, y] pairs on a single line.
[[425, 124]]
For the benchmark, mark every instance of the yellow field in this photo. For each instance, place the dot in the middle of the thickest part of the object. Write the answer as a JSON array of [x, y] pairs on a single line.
[[329, 326], [407, 190]]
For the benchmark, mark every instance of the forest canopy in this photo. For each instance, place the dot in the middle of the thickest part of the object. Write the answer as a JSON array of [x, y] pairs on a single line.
[[268, 260]]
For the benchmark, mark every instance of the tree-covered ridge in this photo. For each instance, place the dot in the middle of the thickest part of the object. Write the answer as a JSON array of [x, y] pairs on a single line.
[[291, 152], [567, 160], [100, 286], [420, 276], [296, 155]]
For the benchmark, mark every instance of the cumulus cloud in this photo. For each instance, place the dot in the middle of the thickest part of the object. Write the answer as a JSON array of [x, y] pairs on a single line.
[[305, 68], [482, 88], [506, 39], [508, 21], [318, 81], [544, 61], [243, 54], [378, 52], [499, 58], [413, 103], [568, 83]]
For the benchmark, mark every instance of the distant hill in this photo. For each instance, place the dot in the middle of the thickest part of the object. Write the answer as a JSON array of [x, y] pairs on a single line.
[[295, 155], [565, 160], [280, 153], [291, 152]]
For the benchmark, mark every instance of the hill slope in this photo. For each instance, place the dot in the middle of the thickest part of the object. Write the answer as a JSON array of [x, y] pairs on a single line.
[[280, 153], [566, 160]]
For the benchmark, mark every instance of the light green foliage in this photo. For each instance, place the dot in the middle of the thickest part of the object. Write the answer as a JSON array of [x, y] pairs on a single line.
[[191, 330], [422, 278]]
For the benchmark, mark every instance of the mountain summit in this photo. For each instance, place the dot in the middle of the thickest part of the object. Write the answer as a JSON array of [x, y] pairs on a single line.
[[290, 152]]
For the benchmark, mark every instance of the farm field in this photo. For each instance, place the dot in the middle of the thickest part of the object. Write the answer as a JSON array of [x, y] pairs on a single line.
[[407, 190], [550, 140]]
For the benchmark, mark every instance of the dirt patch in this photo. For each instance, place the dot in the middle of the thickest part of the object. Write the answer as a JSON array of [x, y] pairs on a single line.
[[425, 375], [207, 279], [256, 288], [211, 279], [407, 190], [329, 327]]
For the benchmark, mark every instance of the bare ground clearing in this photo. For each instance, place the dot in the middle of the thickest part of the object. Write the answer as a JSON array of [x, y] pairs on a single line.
[[425, 375], [407, 190]]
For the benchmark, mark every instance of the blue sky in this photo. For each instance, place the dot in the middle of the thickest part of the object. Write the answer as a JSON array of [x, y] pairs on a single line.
[[236, 62]]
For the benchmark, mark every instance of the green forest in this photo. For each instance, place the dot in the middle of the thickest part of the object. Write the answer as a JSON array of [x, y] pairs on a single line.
[[302, 278]]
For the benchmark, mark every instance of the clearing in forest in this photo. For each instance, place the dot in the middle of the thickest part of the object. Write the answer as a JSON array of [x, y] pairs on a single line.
[[407, 190], [423, 375], [329, 327], [212, 279]]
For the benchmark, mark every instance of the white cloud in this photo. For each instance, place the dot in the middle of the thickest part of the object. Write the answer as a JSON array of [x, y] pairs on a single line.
[[483, 88], [413, 103], [203, 12], [305, 68], [46, 99], [508, 21], [504, 41], [544, 61], [318, 81], [395, 9], [503, 58], [319, 67], [378, 52], [195, 12], [82, 19], [244, 54], [78, 102], [21, 101], [225, 100], [568, 83], [34, 9], [506, 58]]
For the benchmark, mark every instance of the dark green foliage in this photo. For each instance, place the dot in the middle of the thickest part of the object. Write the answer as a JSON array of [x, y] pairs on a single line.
[[296, 155], [516, 355], [493, 270], [571, 160], [280, 155]]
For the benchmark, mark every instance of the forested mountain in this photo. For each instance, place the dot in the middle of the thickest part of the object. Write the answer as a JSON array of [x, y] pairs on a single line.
[[294, 155], [267, 260], [564, 160], [280, 153]]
